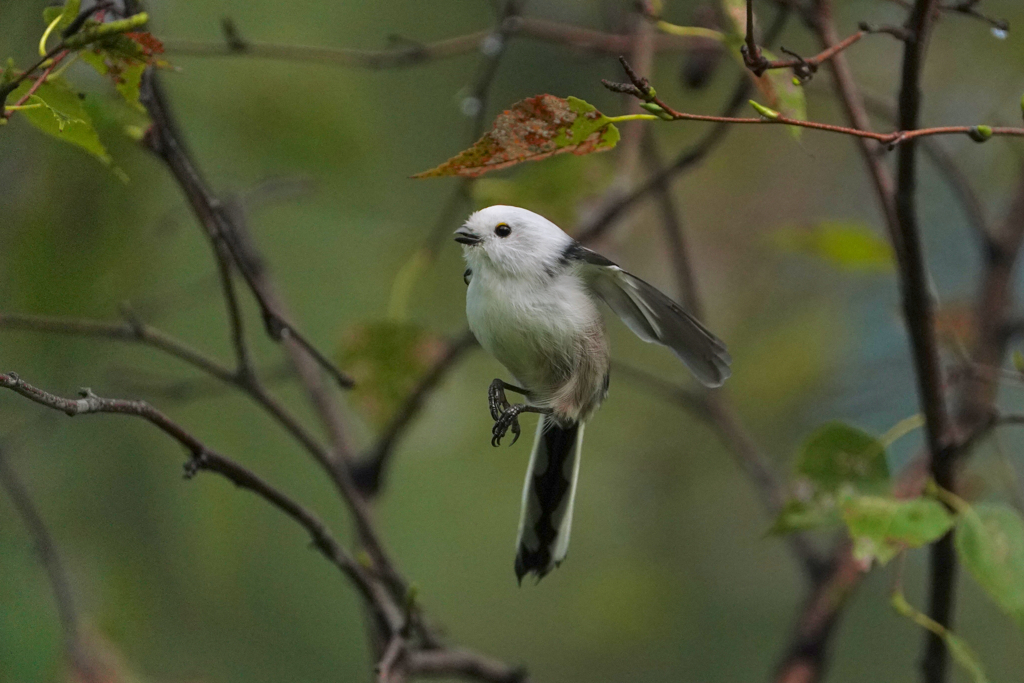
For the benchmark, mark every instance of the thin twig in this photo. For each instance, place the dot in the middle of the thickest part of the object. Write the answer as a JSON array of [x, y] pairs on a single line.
[[596, 226], [165, 141], [411, 53], [891, 140], [202, 458]]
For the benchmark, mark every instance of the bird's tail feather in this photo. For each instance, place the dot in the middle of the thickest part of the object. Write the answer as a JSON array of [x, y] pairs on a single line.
[[548, 496]]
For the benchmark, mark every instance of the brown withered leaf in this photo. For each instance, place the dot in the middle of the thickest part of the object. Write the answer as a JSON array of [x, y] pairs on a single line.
[[533, 129]]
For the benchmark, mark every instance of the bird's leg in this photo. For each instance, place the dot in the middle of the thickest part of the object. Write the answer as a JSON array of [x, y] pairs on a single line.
[[509, 418], [496, 399]]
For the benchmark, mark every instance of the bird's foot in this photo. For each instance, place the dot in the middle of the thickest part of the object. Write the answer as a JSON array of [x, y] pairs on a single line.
[[496, 399], [508, 419]]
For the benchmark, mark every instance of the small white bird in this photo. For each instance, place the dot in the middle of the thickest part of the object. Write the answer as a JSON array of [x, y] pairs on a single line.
[[532, 304]]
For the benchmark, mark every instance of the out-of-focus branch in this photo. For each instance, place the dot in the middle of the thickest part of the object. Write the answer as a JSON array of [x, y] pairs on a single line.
[[714, 407], [369, 472], [164, 139], [74, 649], [453, 662], [411, 53], [853, 103]]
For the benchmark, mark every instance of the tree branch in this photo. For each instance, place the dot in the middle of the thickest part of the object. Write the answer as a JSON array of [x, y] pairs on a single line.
[[163, 139], [205, 459], [411, 53]]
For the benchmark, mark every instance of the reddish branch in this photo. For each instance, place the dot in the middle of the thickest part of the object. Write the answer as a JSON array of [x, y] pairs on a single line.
[[641, 89]]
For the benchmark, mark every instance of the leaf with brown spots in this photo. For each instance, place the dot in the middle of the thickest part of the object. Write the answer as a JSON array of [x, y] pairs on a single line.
[[533, 129]]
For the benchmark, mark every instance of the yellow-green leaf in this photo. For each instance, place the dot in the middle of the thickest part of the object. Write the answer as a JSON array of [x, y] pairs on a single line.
[[850, 246], [67, 14], [62, 117], [838, 455], [882, 526], [533, 129], [990, 542]]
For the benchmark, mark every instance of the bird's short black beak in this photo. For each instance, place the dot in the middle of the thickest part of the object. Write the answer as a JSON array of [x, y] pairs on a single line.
[[464, 236]]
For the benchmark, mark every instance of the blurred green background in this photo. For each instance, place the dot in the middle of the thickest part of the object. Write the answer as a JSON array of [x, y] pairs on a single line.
[[671, 576]]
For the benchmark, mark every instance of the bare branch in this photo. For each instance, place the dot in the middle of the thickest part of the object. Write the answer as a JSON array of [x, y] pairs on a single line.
[[593, 228], [163, 139], [890, 140], [205, 459]]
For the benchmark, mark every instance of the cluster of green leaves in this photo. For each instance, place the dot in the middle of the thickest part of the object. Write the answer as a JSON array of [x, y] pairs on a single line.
[[843, 479], [117, 50]]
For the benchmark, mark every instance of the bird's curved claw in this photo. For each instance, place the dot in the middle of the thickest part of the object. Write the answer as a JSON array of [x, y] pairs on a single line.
[[508, 419]]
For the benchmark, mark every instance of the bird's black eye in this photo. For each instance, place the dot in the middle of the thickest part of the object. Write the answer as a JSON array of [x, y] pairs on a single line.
[[502, 230]]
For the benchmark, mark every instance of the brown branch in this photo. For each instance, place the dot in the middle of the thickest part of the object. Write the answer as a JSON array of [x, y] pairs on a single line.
[[163, 139], [64, 598], [205, 459], [453, 662], [411, 53], [685, 160], [918, 310], [712, 406], [233, 230], [890, 140], [135, 331]]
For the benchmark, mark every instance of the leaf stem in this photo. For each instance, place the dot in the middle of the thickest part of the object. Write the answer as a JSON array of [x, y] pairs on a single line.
[[690, 31], [46, 34], [633, 117]]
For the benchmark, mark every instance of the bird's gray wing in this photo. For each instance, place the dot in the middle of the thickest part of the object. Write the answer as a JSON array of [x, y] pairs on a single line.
[[653, 316]]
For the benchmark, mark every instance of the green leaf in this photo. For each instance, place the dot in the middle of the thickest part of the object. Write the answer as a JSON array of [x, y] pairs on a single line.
[[850, 246], [764, 111], [990, 542], [63, 116], [881, 526], [838, 455], [67, 14], [533, 129], [799, 515], [386, 358]]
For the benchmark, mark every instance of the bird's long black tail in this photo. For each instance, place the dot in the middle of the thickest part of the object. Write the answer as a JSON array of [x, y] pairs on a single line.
[[548, 496]]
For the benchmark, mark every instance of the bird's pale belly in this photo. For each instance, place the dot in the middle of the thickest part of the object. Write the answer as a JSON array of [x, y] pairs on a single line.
[[553, 344]]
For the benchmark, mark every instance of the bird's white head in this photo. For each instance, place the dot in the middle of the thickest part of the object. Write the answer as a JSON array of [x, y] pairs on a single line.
[[511, 241]]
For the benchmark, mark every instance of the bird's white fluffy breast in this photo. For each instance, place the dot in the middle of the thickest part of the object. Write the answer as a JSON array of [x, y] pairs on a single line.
[[531, 327]]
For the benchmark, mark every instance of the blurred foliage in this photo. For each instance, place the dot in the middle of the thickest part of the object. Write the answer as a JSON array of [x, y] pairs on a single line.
[[670, 575]]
